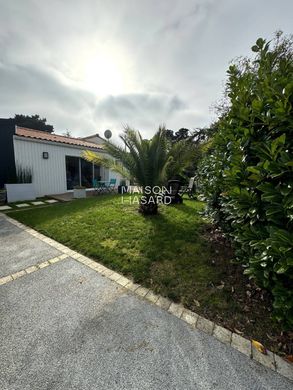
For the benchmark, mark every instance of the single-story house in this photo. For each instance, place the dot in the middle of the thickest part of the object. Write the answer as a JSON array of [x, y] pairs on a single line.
[[54, 160]]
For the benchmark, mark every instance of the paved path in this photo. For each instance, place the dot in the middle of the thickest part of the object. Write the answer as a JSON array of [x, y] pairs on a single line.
[[67, 327]]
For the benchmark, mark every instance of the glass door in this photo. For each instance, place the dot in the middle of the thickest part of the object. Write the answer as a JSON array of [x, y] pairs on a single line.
[[81, 172], [72, 172], [86, 173]]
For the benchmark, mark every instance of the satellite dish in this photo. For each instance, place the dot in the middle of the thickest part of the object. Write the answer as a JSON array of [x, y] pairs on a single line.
[[108, 134]]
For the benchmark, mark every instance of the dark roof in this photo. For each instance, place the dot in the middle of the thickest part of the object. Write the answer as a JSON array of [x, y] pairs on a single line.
[[45, 136]]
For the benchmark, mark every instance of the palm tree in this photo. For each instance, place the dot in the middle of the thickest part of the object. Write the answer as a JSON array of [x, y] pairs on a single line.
[[148, 162]]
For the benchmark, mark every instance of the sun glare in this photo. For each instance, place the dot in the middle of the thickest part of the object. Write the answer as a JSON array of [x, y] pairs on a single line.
[[104, 73]]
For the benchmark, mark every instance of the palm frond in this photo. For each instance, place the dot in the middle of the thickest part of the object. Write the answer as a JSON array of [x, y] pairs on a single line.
[[109, 163], [149, 162]]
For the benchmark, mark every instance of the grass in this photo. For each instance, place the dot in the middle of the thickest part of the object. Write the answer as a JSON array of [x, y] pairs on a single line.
[[171, 253]]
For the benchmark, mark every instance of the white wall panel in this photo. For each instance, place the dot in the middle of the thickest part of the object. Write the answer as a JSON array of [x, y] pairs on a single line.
[[49, 176]]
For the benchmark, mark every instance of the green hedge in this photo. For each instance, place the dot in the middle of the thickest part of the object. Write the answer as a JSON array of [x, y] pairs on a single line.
[[247, 176]]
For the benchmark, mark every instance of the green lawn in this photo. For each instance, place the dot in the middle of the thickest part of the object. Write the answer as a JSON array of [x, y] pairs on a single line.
[[170, 253]]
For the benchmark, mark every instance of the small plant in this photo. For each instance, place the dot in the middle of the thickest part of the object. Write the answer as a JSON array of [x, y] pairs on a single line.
[[23, 175], [2, 195]]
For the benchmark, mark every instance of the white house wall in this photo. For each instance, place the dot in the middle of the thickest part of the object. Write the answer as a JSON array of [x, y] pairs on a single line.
[[49, 175]]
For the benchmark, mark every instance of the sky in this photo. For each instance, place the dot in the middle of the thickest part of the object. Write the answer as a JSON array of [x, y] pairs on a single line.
[[92, 65]]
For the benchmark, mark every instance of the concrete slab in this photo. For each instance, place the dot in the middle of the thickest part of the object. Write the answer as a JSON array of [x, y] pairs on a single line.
[[37, 203], [20, 249], [51, 201], [3, 208], [22, 205], [67, 327]]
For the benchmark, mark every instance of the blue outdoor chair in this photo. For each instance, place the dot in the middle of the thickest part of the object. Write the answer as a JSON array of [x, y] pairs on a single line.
[[111, 185]]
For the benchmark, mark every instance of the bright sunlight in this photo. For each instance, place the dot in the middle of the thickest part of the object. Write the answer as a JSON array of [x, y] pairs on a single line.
[[105, 72]]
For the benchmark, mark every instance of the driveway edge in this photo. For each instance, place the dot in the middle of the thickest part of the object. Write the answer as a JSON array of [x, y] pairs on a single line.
[[243, 345]]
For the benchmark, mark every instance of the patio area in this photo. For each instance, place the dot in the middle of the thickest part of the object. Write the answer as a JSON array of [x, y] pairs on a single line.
[[68, 196]]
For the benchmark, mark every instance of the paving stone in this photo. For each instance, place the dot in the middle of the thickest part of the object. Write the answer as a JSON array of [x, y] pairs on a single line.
[[51, 242], [46, 240], [152, 297], [2, 208], [18, 274], [176, 309], [59, 246], [37, 203], [265, 359], [85, 260], [44, 264], [164, 303], [64, 256], [93, 265], [222, 334], [132, 286], [68, 251], [22, 205], [142, 291], [6, 279], [205, 325], [31, 269], [30, 231], [76, 255], [122, 281], [114, 276], [189, 316], [283, 367], [106, 272], [98, 267], [54, 260], [241, 344], [51, 201]]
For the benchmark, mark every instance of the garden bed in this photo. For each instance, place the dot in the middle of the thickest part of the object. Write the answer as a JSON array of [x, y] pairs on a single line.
[[176, 253]]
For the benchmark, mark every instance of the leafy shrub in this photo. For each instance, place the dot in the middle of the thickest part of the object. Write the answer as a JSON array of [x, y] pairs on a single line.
[[247, 175]]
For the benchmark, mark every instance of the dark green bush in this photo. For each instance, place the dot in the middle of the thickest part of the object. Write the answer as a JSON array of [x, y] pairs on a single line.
[[247, 176]]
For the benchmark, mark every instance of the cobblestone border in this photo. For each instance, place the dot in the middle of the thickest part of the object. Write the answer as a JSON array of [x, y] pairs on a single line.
[[31, 268], [243, 345]]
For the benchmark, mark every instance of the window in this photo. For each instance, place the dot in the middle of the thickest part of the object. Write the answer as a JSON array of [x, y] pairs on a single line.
[[80, 172]]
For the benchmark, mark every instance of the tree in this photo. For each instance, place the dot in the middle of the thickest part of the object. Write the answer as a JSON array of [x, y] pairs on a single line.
[[178, 136], [247, 175], [149, 162], [194, 139], [67, 134], [33, 122]]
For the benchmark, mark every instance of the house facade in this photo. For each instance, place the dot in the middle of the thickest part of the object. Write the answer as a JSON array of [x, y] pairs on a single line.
[[55, 161]]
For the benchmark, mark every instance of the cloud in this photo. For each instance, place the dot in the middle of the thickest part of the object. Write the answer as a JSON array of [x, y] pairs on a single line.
[[142, 111], [22, 83], [195, 14], [128, 107], [78, 109], [29, 90], [170, 56]]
